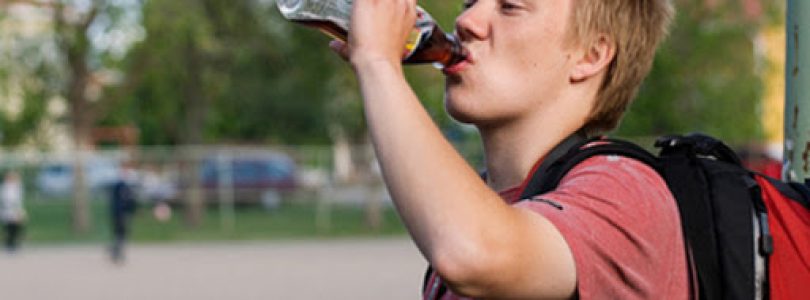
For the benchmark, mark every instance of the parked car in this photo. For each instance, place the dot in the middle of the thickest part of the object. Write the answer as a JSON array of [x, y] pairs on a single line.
[[56, 178], [156, 186], [254, 178]]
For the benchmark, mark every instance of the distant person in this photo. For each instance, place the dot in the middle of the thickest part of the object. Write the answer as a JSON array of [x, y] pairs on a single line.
[[122, 206], [12, 211], [162, 211], [156, 190]]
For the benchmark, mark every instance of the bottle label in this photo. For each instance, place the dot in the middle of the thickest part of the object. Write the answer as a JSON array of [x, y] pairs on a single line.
[[421, 31], [333, 18], [336, 11]]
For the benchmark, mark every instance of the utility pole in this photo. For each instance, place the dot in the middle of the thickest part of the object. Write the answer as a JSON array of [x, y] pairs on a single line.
[[797, 92]]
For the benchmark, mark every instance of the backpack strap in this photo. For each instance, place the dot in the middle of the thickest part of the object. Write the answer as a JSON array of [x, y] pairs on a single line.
[[536, 183], [797, 192], [436, 290], [804, 191], [547, 179]]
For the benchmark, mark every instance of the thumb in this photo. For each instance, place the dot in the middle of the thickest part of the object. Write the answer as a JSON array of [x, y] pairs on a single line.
[[341, 48]]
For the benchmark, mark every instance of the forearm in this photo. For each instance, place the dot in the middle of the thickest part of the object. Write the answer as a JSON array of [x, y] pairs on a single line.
[[440, 198], [464, 229]]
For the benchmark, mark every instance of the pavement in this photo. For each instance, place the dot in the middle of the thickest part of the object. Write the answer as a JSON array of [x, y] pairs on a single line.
[[333, 269]]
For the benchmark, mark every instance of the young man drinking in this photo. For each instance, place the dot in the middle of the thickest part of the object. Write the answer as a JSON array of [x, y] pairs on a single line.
[[538, 71]]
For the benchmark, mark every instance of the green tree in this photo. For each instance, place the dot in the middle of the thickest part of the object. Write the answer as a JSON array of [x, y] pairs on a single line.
[[704, 77], [179, 61], [224, 71], [264, 79], [77, 26], [65, 60], [270, 80], [253, 66], [26, 81]]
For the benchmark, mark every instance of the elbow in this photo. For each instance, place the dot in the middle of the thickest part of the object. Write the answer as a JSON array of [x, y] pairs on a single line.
[[469, 271]]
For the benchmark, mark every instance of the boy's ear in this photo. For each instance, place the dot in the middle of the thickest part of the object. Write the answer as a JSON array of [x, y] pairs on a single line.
[[595, 58]]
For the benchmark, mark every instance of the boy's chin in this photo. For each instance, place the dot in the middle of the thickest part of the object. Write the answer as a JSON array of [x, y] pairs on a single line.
[[464, 119], [460, 115]]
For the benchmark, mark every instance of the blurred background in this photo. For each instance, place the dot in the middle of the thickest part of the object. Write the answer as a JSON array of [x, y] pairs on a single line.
[[243, 139]]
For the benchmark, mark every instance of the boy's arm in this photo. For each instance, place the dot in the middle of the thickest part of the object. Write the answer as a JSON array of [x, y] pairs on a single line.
[[481, 246]]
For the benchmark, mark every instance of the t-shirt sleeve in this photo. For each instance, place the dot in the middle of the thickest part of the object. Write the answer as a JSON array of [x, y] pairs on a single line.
[[621, 224]]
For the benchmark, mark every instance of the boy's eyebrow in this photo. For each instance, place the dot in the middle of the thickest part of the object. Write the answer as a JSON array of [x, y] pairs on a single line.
[[526, 3]]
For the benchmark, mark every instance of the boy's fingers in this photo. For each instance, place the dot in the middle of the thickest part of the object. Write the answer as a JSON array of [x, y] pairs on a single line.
[[340, 48]]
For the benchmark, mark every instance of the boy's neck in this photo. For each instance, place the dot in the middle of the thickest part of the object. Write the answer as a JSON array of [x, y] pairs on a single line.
[[511, 150]]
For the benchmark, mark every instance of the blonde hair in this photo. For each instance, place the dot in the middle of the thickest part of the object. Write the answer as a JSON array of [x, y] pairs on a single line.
[[636, 27]]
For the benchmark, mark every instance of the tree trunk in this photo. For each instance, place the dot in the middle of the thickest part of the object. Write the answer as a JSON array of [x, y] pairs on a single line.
[[196, 106], [193, 193], [81, 218], [82, 120]]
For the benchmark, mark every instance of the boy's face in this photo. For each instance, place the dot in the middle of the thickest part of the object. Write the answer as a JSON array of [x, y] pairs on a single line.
[[519, 59]]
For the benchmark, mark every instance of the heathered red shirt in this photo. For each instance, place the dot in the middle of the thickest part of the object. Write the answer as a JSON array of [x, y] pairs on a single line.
[[622, 226]]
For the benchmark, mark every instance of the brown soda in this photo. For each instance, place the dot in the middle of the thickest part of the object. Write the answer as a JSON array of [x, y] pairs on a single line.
[[437, 47], [427, 44]]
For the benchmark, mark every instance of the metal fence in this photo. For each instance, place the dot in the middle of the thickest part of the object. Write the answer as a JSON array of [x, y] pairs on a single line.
[[222, 177]]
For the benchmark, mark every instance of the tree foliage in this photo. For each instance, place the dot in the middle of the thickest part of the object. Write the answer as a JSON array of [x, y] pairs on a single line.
[[216, 71], [705, 77], [264, 79], [255, 77], [27, 82]]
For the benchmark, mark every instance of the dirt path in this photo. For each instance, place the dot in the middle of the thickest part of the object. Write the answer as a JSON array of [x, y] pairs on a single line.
[[344, 269]]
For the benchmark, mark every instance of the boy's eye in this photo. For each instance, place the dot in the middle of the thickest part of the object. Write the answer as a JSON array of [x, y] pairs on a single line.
[[467, 4], [506, 6], [509, 6]]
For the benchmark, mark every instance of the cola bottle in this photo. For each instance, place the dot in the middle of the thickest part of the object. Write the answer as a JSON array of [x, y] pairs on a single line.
[[426, 44]]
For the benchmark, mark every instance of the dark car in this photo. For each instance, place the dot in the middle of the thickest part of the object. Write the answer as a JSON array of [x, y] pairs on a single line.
[[253, 178]]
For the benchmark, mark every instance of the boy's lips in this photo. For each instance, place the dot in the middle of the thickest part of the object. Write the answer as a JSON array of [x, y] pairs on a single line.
[[456, 68], [460, 66]]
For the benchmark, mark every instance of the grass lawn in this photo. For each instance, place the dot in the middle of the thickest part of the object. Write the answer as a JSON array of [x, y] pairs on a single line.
[[49, 222]]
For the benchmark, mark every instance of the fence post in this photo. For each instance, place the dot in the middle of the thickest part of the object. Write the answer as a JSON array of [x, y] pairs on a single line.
[[227, 216], [797, 92]]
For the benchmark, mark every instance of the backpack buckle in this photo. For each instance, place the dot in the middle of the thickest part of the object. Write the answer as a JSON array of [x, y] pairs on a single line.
[[766, 239], [668, 141]]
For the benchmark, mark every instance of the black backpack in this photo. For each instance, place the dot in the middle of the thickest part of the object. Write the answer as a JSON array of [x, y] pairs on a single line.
[[724, 216], [727, 213]]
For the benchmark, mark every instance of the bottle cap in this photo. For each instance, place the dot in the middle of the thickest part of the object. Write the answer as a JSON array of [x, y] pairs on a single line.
[[289, 6]]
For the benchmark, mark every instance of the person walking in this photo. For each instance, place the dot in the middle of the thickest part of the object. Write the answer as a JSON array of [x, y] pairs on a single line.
[[12, 210], [122, 207]]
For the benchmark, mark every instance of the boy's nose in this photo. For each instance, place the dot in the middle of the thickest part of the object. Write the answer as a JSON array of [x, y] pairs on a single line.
[[473, 23]]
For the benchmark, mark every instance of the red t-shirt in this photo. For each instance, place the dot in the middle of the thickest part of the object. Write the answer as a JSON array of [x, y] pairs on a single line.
[[622, 226]]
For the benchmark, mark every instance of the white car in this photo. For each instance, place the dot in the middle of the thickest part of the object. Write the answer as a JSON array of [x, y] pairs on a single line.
[[56, 178]]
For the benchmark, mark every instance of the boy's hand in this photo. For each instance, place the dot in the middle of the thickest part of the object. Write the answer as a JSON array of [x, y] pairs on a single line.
[[379, 31], [341, 48]]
